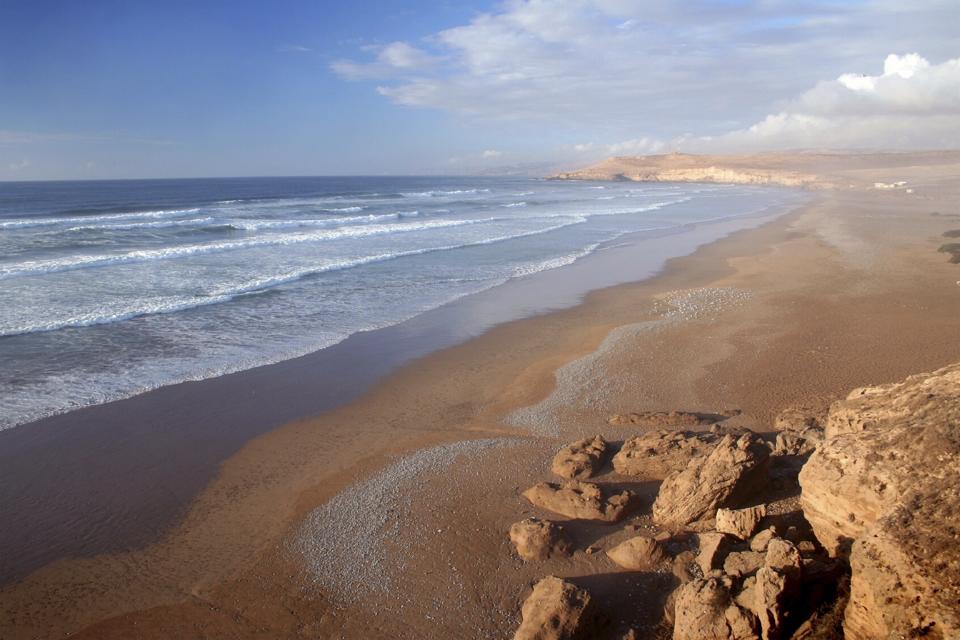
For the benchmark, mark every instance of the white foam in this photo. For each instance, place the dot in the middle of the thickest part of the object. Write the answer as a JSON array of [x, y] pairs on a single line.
[[40, 222]]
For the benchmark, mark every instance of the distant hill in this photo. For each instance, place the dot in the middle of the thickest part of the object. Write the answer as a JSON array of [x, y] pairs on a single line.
[[813, 170]]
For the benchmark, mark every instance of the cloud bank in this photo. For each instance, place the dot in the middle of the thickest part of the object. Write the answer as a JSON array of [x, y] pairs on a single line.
[[644, 76]]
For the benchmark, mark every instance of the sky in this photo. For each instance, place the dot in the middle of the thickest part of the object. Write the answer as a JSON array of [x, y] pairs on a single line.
[[93, 89]]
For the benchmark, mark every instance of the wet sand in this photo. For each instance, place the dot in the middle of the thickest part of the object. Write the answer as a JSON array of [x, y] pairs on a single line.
[[850, 290]]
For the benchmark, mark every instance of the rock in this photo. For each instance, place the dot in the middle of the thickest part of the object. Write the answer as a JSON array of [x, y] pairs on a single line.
[[784, 557], [885, 488], [905, 578], [805, 547], [667, 418], [705, 610], [537, 539], [580, 460], [760, 541], [579, 500], [882, 444], [713, 546], [742, 563], [797, 419], [732, 470], [556, 610], [923, 400], [740, 522], [766, 597], [798, 443], [657, 454], [683, 566], [639, 553]]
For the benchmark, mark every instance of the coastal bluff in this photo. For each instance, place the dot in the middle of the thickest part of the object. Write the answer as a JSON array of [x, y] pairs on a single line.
[[807, 170]]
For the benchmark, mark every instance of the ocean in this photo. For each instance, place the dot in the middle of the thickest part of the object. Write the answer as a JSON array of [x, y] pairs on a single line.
[[112, 288]]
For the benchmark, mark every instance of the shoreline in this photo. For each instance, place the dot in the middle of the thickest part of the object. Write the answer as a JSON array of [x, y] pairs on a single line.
[[277, 478], [183, 432]]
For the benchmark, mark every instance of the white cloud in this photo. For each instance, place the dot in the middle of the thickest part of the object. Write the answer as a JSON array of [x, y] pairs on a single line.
[[17, 166], [293, 48], [911, 104], [492, 153], [396, 57], [649, 72]]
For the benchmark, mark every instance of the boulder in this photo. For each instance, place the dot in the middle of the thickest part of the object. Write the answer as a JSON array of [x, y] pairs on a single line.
[[537, 539], [922, 400], [656, 454], [742, 563], [580, 460], [797, 419], [658, 419], [798, 443], [579, 500], [735, 468], [705, 610], [740, 523], [639, 553], [556, 610], [884, 487], [766, 597], [713, 546], [762, 539]]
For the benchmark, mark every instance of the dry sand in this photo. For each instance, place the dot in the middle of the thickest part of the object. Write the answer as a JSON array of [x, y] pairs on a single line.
[[387, 518]]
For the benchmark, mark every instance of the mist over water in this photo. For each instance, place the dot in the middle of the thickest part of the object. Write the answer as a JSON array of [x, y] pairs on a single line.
[[108, 289]]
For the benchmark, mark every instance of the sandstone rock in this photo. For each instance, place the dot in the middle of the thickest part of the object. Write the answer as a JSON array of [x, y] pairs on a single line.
[[886, 484], [797, 419], [922, 400], [537, 539], [580, 460], [705, 610], [760, 541], [742, 563], [740, 522], [556, 610], [713, 546], [783, 556], [639, 553], [579, 500], [667, 418], [798, 443], [683, 566], [766, 597], [733, 469], [657, 454]]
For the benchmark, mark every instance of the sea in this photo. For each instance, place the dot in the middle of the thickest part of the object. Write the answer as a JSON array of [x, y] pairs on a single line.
[[109, 289]]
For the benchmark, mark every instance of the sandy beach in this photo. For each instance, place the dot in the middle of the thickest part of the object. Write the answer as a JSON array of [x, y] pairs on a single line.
[[386, 517]]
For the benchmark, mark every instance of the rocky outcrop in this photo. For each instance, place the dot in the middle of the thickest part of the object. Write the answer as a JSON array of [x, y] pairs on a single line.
[[556, 610], [740, 522], [732, 470], [657, 454], [580, 460], [537, 539], [639, 553], [920, 401], [884, 489], [579, 500]]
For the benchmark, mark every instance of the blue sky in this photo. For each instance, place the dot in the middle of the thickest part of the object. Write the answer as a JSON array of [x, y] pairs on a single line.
[[97, 89]]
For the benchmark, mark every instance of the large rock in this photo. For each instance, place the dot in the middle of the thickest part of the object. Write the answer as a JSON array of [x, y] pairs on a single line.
[[704, 610], [580, 460], [537, 539], [657, 454], [712, 548], [579, 500], [923, 400], [556, 610], [639, 553], [797, 419], [669, 418], [886, 486], [740, 522], [735, 468], [742, 563]]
